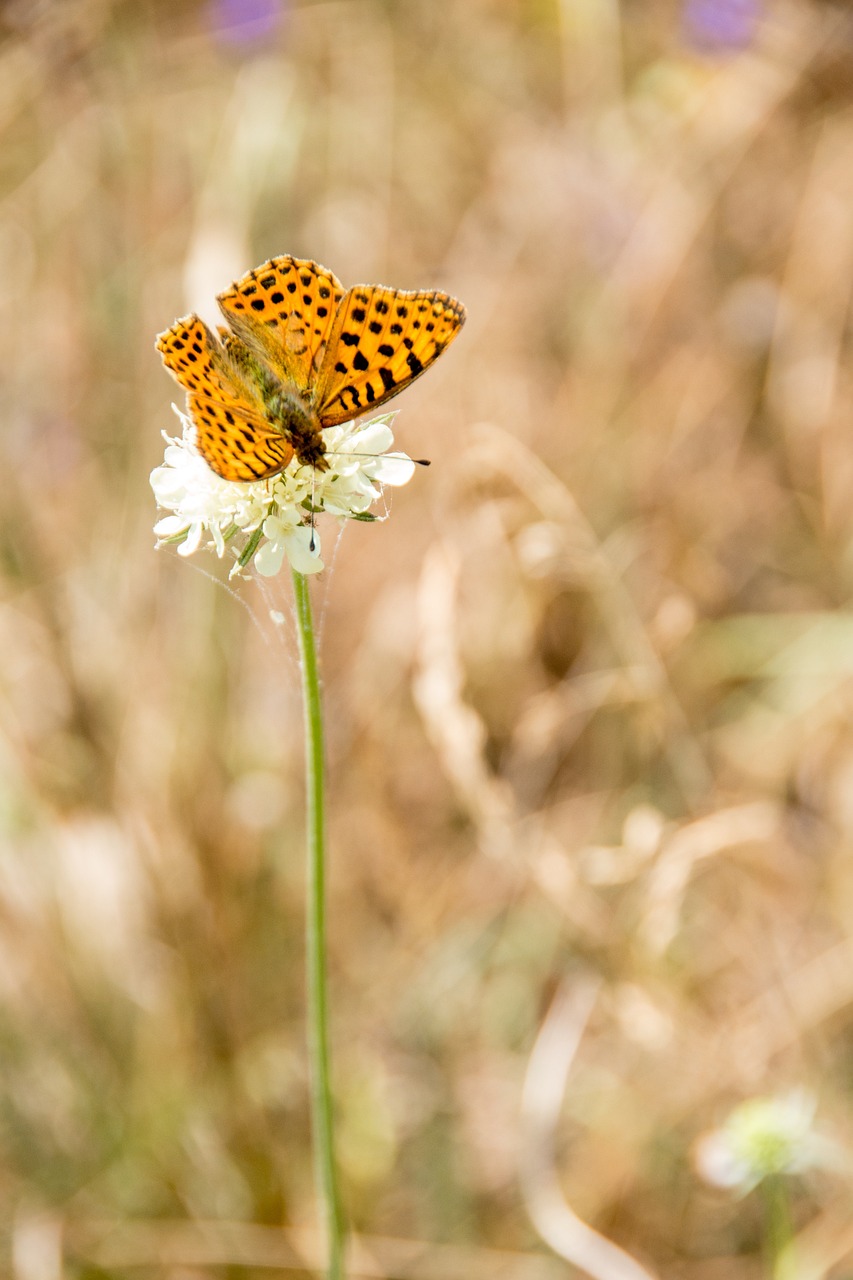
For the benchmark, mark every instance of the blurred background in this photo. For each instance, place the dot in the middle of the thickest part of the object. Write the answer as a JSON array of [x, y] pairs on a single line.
[[589, 691]]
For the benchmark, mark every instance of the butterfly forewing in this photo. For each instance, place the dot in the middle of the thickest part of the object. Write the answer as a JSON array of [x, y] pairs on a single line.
[[231, 433], [190, 353], [381, 341], [284, 312]]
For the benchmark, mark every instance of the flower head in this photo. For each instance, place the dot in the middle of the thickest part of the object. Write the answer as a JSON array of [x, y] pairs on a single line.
[[763, 1138], [722, 24], [270, 520]]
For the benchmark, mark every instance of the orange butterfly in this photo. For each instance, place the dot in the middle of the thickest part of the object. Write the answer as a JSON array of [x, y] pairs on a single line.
[[299, 355]]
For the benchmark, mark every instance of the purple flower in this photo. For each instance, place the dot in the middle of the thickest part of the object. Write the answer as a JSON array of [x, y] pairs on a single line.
[[245, 21], [728, 24]]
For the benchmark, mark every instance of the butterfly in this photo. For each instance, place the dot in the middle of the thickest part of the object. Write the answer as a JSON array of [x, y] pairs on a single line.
[[298, 355]]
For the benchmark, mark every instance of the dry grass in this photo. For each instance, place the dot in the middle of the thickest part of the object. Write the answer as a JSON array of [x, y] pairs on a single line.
[[589, 691]]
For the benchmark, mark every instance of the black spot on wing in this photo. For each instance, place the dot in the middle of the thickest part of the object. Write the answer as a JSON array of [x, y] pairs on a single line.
[[353, 394]]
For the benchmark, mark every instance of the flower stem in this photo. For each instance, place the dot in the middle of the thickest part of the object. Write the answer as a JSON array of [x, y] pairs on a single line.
[[317, 1014], [780, 1232]]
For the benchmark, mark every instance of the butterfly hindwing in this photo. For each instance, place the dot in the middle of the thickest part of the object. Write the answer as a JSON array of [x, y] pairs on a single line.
[[382, 339], [231, 431], [284, 312], [234, 442]]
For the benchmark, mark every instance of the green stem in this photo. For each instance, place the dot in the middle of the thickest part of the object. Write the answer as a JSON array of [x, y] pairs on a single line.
[[317, 1015], [780, 1233]]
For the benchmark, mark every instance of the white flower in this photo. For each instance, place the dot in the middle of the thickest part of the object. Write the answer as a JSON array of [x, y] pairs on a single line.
[[285, 536], [762, 1138], [268, 520]]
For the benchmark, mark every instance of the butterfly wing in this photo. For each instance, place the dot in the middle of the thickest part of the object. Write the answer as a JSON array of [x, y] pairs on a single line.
[[234, 442], [381, 340], [231, 432], [283, 312]]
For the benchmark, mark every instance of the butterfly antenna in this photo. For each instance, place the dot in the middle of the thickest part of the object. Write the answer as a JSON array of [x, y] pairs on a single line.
[[313, 543], [419, 462]]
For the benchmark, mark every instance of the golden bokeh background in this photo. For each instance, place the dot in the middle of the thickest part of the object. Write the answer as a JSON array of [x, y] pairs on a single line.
[[589, 691]]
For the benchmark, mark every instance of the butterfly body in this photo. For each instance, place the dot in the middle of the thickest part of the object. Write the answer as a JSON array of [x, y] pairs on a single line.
[[299, 355], [286, 408], [298, 422]]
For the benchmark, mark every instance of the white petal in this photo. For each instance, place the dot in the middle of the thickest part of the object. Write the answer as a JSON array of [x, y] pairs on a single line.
[[176, 455], [170, 525], [374, 438], [395, 470], [798, 1109], [299, 553], [717, 1163], [193, 539], [168, 485], [276, 529], [333, 508], [268, 558]]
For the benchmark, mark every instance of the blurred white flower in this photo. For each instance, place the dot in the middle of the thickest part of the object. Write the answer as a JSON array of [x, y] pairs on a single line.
[[268, 520], [762, 1138]]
